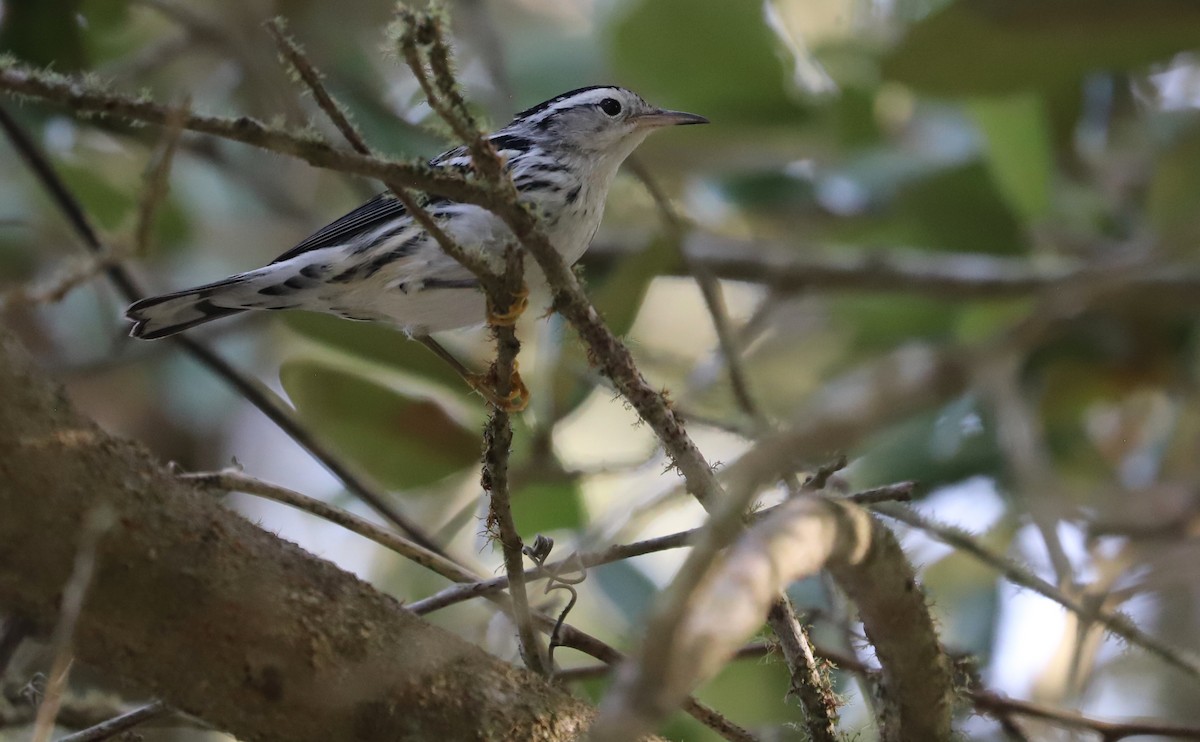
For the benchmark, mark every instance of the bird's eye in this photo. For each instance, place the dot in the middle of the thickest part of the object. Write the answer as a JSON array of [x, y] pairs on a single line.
[[610, 106]]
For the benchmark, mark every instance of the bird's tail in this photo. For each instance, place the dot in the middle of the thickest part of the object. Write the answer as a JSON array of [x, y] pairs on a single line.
[[160, 316]]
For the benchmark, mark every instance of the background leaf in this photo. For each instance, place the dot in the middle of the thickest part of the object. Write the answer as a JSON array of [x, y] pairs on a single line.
[[995, 47], [719, 58], [404, 442]]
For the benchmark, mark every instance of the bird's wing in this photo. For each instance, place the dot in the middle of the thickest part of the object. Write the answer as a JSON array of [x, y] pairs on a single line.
[[385, 207], [382, 208]]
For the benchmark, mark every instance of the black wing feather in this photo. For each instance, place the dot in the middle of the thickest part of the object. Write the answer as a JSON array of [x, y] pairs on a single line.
[[385, 207], [370, 215]]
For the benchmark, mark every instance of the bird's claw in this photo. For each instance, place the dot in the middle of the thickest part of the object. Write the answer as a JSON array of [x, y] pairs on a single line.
[[517, 398], [509, 317]]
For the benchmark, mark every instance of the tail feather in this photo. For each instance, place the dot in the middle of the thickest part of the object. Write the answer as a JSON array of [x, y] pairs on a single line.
[[160, 316]]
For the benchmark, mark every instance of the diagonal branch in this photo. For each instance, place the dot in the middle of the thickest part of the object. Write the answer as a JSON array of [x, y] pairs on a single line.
[[727, 602], [250, 389]]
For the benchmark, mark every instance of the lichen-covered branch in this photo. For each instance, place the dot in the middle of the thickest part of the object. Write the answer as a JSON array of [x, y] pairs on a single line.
[[294, 649], [729, 600]]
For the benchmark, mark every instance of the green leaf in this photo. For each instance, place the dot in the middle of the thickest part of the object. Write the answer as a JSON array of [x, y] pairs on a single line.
[[935, 448], [878, 323], [997, 47], [45, 33], [1171, 202], [716, 58], [404, 442], [959, 209], [630, 590], [547, 506], [109, 205], [377, 343], [1018, 150]]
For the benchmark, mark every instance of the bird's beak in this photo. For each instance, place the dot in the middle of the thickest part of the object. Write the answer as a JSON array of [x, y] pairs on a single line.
[[662, 117]]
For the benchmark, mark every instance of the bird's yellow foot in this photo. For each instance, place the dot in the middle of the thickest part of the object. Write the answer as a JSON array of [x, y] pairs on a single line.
[[517, 398], [509, 318]]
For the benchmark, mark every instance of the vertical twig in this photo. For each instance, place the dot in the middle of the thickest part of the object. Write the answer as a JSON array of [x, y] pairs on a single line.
[[497, 437], [157, 181], [710, 290], [96, 523]]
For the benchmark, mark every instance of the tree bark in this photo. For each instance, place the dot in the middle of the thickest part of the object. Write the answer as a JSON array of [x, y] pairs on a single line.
[[195, 605]]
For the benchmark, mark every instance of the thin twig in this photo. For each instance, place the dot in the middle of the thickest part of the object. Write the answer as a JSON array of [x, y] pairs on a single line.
[[710, 290], [157, 182], [994, 704], [555, 580], [82, 97], [715, 721], [459, 593], [1018, 575], [118, 724], [502, 292], [96, 523], [901, 491], [295, 57], [64, 282], [234, 480]]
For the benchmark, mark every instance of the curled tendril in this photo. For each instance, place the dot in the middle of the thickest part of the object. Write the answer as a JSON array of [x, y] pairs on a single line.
[[570, 574]]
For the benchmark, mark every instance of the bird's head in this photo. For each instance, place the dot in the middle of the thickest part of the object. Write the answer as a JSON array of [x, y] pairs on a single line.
[[602, 120]]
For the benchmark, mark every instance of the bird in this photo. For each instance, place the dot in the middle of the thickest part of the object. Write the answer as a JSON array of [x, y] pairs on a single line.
[[377, 263]]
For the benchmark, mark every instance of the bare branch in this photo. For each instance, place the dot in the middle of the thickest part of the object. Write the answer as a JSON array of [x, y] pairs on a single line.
[[1115, 623], [295, 57], [119, 724], [84, 98], [809, 683], [96, 522], [727, 603], [717, 722], [992, 703], [233, 480], [157, 181], [710, 290]]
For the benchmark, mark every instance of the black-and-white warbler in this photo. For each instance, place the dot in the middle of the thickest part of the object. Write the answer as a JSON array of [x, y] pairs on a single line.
[[377, 263]]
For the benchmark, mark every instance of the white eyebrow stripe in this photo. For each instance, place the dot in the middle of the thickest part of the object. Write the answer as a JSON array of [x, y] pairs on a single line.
[[574, 99]]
